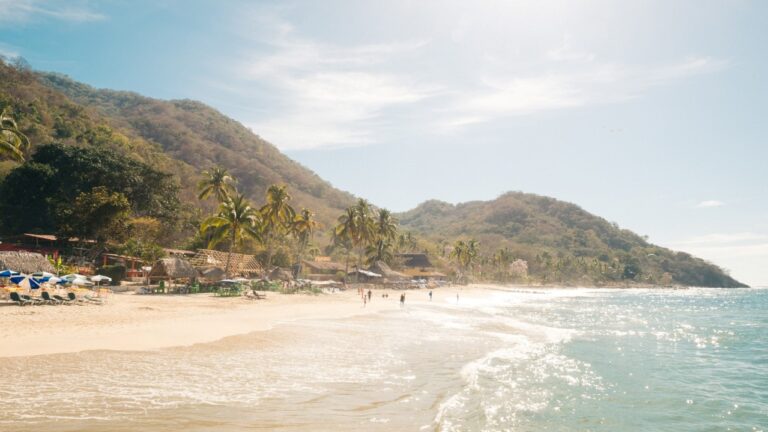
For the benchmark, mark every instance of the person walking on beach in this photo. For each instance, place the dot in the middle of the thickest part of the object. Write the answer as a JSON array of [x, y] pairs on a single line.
[[430, 296], [402, 300], [457, 297], [369, 295]]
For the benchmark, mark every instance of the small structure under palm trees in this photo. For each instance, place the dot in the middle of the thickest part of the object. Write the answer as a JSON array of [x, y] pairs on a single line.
[[239, 264], [25, 262], [389, 275], [171, 269]]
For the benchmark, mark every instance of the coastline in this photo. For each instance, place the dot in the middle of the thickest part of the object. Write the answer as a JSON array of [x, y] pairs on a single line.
[[129, 322]]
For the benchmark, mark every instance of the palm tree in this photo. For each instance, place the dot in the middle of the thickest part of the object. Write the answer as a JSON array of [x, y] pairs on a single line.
[[384, 233], [473, 249], [218, 182], [503, 258], [344, 234], [380, 250], [364, 229], [236, 220], [277, 216], [303, 228], [13, 143]]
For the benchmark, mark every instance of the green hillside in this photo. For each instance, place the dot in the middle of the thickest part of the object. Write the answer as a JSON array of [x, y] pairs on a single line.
[[175, 140], [561, 242], [200, 136]]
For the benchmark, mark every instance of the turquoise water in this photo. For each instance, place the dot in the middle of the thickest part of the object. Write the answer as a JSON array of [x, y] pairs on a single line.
[[505, 360], [684, 360]]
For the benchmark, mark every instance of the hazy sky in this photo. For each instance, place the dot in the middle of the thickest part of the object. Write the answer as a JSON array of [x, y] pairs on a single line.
[[650, 114]]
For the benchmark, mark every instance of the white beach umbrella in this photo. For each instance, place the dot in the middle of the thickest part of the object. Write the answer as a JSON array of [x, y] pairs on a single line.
[[42, 275], [100, 278], [81, 282]]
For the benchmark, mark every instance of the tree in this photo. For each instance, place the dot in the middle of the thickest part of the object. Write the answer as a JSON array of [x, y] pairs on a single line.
[[276, 217], [465, 254], [384, 233], [13, 143], [217, 182], [98, 215], [236, 220], [302, 228], [344, 233]]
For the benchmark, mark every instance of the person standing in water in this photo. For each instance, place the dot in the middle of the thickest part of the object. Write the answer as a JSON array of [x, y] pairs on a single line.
[[369, 295], [457, 297], [402, 300], [430, 295]]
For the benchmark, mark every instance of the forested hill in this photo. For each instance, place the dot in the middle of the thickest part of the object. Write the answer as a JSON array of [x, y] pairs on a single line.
[[561, 241], [200, 137]]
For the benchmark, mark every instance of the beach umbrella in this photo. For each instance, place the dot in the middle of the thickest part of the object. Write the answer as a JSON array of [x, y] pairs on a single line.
[[8, 273], [26, 281], [54, 280], [81, 282], [42, 275], [100, 278]]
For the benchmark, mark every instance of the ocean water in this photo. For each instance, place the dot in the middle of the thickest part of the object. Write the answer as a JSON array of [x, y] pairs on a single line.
[[511, 360]]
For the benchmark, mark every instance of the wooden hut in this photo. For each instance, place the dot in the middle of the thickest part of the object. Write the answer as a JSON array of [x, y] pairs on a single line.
[[25, 262], [321, 269], [386, 272], [280, 274], [171, 269], [239, 264]]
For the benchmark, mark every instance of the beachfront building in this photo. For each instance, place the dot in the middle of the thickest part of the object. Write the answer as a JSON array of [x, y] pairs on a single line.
[[418, 266], [25, 262], [172, 269], [322, 268], [242, 265], [388, 275]]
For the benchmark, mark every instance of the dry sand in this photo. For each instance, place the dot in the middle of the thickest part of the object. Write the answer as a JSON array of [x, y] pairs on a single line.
[[148, 322]]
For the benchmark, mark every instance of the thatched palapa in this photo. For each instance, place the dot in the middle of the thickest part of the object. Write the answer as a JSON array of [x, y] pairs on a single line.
[[383, 269], [239, 264], [172, 268], [280, 274], [25, 262]]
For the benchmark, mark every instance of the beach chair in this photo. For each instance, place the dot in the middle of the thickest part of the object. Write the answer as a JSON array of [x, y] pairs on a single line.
[[48, 299], [62, 300], [74, 300], [94, 300], [16, 298], [32, 300]]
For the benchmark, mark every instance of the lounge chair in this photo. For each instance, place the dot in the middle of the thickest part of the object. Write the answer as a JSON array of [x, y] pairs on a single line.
[[73, 299], [48, 299], [94, 300], [16, 298], [32, 300], [61, 299]]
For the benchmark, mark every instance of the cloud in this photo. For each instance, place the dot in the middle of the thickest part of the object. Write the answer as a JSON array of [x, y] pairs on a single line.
[[579, 80], [20, 11], [334, 96], [710, 204]]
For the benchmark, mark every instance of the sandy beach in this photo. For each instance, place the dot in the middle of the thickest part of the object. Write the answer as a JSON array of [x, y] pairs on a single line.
[[129, 322]]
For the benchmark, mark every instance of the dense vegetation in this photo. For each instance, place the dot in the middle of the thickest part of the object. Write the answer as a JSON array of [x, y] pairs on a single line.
[[560, 242], [140, 173]]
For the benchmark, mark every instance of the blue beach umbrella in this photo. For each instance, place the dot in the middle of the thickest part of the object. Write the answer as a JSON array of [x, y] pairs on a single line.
[[26, 281], [8, 273]]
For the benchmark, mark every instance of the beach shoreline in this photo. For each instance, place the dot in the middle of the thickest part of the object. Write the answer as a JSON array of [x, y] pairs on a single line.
[[130, 322]]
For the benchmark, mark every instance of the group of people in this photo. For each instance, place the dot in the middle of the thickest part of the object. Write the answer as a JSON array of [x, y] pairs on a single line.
[[366, 296]]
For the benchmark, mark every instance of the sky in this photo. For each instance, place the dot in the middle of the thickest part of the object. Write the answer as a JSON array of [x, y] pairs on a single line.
[[650, 114]]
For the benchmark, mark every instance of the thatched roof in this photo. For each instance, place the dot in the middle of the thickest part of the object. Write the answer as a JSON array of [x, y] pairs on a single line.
[[280, 274], [383, 269], [173, 268], [212, 274], [419, 260], [25, 262], [323, 266], [424, 273], [239, 264]]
